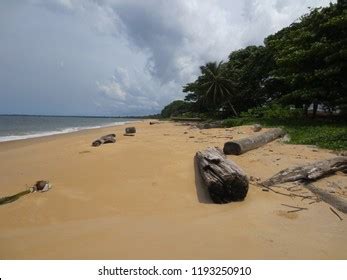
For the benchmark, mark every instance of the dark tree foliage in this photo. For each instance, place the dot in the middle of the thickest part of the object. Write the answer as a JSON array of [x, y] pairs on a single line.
[[310, 57], [249, 68], [301, 64], [175, 108]]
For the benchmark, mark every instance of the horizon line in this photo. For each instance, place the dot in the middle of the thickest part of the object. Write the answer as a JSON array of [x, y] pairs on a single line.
[[76, 116]]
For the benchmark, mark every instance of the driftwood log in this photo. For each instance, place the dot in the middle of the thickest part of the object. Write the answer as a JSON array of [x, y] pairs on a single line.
[[224, 180], [335, 201], [129, 130], [308, 172], [243, 145], [210, 125], [151, 123], [109, 138]]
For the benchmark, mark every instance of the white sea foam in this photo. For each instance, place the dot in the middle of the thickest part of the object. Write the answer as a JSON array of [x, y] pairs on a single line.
[[55, 132]]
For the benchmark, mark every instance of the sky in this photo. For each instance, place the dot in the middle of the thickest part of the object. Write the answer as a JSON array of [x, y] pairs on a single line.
[[122, 57]]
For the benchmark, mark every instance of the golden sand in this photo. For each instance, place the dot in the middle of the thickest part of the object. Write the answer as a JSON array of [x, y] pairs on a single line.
[[140, 198]]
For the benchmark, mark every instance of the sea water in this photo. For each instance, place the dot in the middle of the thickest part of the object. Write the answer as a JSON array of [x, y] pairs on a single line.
[[24, 127]]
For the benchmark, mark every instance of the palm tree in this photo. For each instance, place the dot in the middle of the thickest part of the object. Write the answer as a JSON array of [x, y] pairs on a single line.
[[217, 88]]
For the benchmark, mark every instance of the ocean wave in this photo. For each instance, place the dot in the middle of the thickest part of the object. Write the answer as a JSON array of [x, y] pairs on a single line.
[[55, 132]]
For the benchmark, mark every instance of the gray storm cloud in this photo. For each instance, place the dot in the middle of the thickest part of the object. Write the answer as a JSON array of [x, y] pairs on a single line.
[[122, 57]]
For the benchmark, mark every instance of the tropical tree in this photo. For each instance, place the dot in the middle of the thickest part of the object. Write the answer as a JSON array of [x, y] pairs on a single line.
[[249, 68], [175, 108], [212, 88], [311, 58]]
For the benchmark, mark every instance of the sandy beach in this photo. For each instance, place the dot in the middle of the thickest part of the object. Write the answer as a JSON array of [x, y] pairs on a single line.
[[141, 198]]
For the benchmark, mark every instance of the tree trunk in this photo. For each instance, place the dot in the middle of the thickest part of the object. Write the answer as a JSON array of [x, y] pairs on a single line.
[[306, 110], [224, 180], [233, 108], [309, 172], [315, 103], [241, 146]]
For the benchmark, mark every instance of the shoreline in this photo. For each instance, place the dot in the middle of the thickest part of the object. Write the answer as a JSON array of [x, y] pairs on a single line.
[[141, 198], [64, 131]]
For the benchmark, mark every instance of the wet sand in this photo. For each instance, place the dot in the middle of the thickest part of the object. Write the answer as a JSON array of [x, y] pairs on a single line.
[[141, 198]]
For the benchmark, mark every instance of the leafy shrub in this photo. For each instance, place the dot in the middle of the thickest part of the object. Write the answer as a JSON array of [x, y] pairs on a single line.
[[274, 111], [237, 122]]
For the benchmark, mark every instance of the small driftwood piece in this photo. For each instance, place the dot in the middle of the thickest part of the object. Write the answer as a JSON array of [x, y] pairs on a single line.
[[257, 127], [295, 207], [130, 130], [151, 123], [109, 138], [243, 145], [333, 200], [309, 172], [290, 194], [332, 210], [225, 181]]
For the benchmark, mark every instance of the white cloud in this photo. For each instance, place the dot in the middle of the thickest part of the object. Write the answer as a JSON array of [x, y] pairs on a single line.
[[113, 90]]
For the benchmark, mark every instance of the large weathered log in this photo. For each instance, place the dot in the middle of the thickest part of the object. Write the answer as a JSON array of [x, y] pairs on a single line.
[[110, 138], [225, 181], [243, 145], [309, 172]]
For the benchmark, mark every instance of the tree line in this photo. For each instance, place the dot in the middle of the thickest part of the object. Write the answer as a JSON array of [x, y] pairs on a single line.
[[300, 65]]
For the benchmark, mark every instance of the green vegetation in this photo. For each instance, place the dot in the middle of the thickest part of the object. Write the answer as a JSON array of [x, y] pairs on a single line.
[[300, 66], [323, 134], [175, 108]]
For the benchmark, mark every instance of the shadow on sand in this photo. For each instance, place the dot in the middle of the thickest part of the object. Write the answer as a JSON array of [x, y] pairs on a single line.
[[201, 189]]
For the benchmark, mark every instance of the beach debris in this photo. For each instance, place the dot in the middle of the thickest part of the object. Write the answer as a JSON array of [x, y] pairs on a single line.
[[224, 180], [257, 127], [295, 207], [285, 139], [151, 123], [243, 145], [109, 138], [254, 179], [130, 130], [309, 172], [39, 186], [331, 199], [289, 194], [332, 210], [297, 210], [191, 136]]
